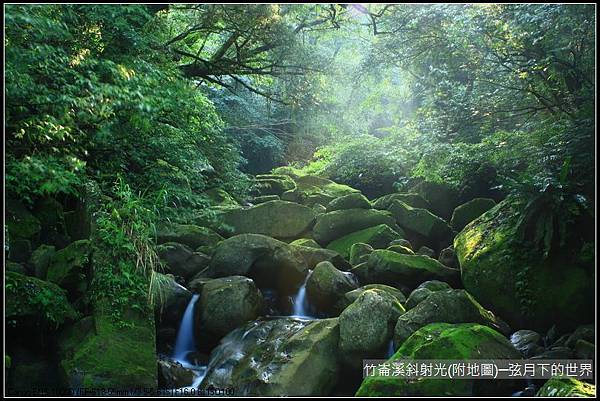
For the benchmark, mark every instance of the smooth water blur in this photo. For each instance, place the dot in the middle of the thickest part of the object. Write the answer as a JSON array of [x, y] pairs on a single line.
[[300, 302], [185, 337]]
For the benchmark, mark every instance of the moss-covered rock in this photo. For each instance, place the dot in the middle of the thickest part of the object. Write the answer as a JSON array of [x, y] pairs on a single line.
[[566, 387], [527, 342], [225, 304], [272, 184], [446, 306], [170, 300], [220, 197], [171, 374], [351, 296], [180, 260], [395, 269], [400, 249], [423, 291], [265, 198], [517, 282], [448, 258], [414, 200], [312, 189], [279, 357], [306, 242], [467, 212], [69, 266], [333, 225], [354, 200], [40, 260], [425, 250], [359, 252], [188, 234], [366, 326], [271, 263], [378, 237], [277, 219], [313, 256], [21, 223], [326, 285], [29, 299], [420, 221], [443, 341], [442, 197], [99, 352]]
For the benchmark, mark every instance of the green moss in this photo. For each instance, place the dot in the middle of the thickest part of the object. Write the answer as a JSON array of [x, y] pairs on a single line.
[[414, 200], [378, 237], [421, 221], [68, 266], [335, 225], [188, 234], [442, 341], [21, 222], [566, 387], [311, 243], [29, 297], [220, 197], [469, 211]]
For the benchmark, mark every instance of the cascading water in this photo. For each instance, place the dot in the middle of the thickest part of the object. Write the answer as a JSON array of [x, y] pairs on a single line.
[[390, 350], [301, 307], [185, 337]]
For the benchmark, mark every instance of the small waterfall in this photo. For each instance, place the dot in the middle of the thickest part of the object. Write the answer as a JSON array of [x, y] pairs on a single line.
[[390, 350], [185, 337], [301, 307]]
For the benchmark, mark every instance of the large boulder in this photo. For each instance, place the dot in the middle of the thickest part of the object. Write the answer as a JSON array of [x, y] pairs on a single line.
[[351, 296], [359, 252], [23, 231], [442, 197], [351, 201], [421, 222], [467, 212], [180, 260], [272, 184], [40, 260], [414, 200], [36, 303], [50, 214], [512, 278], [279, 357], [170, 300], [172, 374], [396, 269], [366, 326], [423, 291], [378, 237], [313, 256], [309, 242], [271, 263], [69, 266], [188, 234], [566, 387], [334, 225], [443, 341], [225, 304], [326, 285], [527, 342], [311, 189], [277, 219], [446, 306]]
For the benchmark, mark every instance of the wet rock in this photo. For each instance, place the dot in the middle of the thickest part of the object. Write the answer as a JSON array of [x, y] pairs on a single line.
[[170, 300], [333, 225], [181, 260], [359, 252], [422, 222], [402, 242], [445, 306], [225, 304], [400, 249], [171, 374], [326, 286], [313, 256], [277, 357], [351, 296], [424, 290], [527, 342]]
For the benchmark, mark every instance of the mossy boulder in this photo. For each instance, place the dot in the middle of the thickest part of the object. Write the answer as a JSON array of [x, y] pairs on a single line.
[[170, 300], [414, 200], [180, 260], [467, 212], [100, 352], [446, 306], [313, 256], [424, 250], [514, 280], [69, 266], [442, 197], [277, 357], [326, 285], [271, 263], [277, 219], [306, 242], [225, 304], [311, 189], [353, 295], [366, 326], [424, 290], [444, 341], [220, 197], [21, 223], [566, 387], [272, 184], [359, 252], [30, 300], [265, 198], [354, 200], [421, 221], [333, 225], [172, 374], [40, 260], [378, 237], [448, 258], [396, 269], [188, 234], [400, 249]]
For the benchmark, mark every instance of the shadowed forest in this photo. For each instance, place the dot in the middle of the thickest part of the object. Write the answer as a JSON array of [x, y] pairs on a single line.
[[209, 199]]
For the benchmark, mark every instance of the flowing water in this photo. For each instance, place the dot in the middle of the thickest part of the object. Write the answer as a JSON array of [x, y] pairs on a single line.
[[300, 302]]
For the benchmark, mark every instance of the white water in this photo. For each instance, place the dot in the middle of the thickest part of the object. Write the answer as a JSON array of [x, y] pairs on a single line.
[[301, 307], [390, 350], [185, 337]]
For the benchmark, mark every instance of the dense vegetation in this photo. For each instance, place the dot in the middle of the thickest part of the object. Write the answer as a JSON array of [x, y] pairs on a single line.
[[127, 117]]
